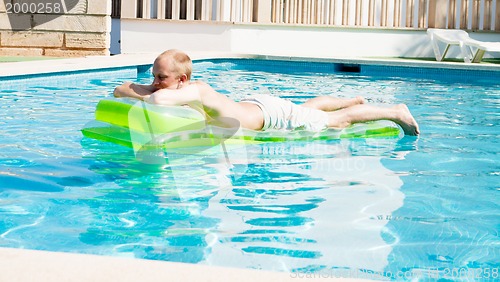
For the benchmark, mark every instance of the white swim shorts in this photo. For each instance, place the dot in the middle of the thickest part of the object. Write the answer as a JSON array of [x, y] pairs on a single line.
[[281, 114]]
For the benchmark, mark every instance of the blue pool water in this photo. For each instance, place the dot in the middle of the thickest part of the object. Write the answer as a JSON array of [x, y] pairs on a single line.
[[406, 208]]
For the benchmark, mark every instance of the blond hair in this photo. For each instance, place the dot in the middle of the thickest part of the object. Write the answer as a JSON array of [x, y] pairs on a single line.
[[179, 61]]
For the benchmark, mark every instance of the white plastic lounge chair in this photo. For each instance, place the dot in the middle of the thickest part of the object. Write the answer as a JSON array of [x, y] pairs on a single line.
[[471, 50], [479, 48]]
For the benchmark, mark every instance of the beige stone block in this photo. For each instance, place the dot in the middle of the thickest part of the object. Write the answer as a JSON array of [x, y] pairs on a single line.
[[4, 21], [75, 23], [99, 7], [80, 8], [15, 21], [87, 40], [31, 39], [75, 53], [2, 6], [26, 52]]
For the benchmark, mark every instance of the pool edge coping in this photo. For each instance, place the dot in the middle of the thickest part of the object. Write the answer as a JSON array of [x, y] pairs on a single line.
[[26, 68], [30, 265]]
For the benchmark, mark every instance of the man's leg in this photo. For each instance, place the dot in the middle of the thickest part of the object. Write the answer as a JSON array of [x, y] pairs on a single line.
[[363, 113], [328, 104]]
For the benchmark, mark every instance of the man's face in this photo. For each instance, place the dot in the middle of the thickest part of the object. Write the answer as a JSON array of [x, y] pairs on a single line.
[[163, 77]]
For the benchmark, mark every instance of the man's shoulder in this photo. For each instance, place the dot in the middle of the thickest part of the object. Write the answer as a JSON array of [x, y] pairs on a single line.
[[203, 87], [199, 83]]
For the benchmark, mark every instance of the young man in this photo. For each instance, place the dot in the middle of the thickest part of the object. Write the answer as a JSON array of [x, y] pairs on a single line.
[[172, 86]]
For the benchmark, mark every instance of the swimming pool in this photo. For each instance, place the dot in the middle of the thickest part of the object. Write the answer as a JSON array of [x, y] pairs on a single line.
[[375, 208]]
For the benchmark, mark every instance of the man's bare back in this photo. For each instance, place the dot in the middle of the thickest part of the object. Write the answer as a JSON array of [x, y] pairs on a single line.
[[202, 97]]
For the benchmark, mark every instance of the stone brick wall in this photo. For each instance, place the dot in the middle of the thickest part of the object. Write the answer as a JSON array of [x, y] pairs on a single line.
[[82, 28]]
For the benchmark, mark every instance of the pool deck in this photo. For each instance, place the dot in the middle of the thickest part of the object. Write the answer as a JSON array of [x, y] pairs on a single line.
[[30, 265]]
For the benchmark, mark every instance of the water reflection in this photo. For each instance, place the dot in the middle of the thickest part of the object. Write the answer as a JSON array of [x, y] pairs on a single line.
[[151, 211], [291, 206], [307, 207]]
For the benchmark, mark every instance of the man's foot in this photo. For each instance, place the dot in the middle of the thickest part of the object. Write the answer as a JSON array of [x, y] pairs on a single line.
[[406, 120]]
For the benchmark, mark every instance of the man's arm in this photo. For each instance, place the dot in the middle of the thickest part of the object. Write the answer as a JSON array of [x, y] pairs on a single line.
[[188, 95], [138, 91]]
